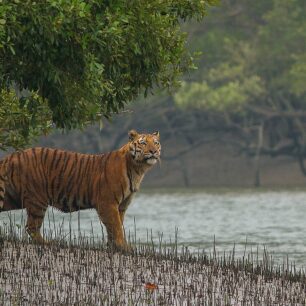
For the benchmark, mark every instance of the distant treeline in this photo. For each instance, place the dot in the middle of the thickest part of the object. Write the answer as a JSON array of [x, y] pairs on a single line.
[[251, 76]]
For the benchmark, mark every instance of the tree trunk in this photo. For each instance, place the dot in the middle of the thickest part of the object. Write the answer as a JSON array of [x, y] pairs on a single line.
[[257, 182]]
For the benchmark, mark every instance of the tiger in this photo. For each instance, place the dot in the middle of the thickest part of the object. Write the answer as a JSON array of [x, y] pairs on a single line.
[[35, 178]]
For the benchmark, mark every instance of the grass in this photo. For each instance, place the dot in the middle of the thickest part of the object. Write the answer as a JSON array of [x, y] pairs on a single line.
[[79, 270]]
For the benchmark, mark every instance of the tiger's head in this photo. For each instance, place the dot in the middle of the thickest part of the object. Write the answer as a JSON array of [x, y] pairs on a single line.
[[144, 148]]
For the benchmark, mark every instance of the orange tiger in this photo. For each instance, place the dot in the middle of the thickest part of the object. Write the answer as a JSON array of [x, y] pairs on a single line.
[[38, 177]]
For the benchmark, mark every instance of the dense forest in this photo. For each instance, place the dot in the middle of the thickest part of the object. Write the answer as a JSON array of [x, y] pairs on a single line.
[[239, 117]]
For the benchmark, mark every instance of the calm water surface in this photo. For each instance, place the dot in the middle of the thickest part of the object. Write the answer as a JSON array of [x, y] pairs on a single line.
[[272, 219]]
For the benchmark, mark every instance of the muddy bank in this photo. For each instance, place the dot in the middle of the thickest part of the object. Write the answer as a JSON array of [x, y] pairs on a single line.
[[91, 275]]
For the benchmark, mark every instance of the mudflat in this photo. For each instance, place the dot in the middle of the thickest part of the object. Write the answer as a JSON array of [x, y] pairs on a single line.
[[76, 275]]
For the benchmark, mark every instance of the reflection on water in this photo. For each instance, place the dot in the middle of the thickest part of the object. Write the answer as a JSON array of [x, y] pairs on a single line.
[[274, 219]]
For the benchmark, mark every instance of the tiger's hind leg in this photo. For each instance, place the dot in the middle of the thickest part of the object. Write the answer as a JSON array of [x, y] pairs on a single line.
[[35, 218]]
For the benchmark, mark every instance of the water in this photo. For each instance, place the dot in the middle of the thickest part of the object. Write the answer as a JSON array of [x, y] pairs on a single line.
[[249, 219]]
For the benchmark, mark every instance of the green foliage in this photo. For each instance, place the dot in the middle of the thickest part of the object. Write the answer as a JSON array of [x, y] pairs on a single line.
[[224, 88], [252, 61], [21, 120], [232, 95], [88, 59], [282, 48], [297, 75]]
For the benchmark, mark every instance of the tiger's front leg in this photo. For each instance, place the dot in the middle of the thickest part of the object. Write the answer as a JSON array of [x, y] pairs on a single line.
[[110, 217], [35, 217]]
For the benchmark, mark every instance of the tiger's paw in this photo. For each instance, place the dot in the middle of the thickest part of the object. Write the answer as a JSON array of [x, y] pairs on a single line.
[[37, 238], [120, 248]]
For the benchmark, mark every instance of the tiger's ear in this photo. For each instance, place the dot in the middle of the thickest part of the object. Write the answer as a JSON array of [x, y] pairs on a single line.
[[132, 135], [156, 134]]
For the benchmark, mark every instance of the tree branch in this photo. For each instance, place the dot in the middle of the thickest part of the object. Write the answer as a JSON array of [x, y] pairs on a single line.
[[271, 113]]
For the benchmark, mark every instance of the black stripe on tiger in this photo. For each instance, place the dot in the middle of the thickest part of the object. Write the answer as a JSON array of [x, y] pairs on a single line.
[[53, 159], [130, 181], [105, 167], [122, 192], [44, 154]]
